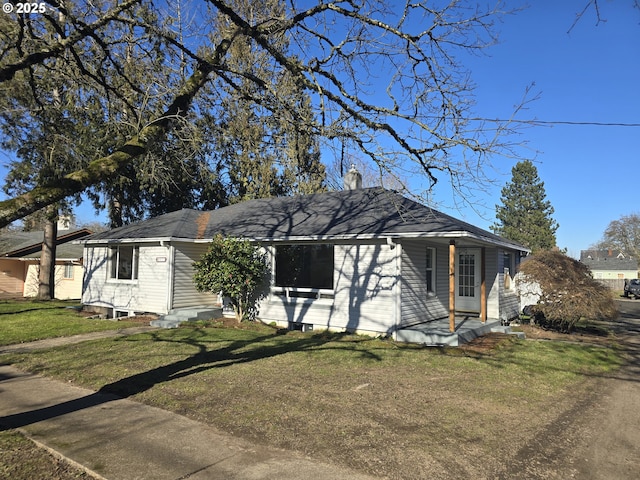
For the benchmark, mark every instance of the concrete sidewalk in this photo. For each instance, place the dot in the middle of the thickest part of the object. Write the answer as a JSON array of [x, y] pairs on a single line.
[[83, 337], [114, 438]]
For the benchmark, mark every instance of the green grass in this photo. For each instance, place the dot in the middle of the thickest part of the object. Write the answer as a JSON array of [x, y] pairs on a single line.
[[398, 410], [29, 320]]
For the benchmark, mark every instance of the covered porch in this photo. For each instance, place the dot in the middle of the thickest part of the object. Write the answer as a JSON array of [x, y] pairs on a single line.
[[473, 291]]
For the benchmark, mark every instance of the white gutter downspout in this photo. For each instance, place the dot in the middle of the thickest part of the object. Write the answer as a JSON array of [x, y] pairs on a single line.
[[171, 259], [397, 287]]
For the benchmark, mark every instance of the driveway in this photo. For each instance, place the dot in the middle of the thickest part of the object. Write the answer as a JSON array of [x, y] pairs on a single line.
[[599, 438], [614, 448]]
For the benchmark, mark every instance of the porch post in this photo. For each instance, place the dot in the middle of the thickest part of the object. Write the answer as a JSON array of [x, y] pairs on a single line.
[[483, 286], [452, 285]]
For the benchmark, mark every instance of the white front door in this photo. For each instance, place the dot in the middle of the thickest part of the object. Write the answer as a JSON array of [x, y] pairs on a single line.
[[468, 279]]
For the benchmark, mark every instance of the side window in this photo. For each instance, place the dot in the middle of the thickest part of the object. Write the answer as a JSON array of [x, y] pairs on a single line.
[[124, 262], [68, 271], [507, 269], [431, 271]]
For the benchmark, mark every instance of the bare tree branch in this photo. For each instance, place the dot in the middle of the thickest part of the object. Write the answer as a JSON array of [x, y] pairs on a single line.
[[7, 72], [384, 77]]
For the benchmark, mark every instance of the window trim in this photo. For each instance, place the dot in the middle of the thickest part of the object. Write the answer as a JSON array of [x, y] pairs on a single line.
[[430, 271], [134, 264], [301, 295], [64, 271]]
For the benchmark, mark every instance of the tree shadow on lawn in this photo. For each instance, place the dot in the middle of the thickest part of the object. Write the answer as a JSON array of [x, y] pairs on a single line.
[[32, 309], [237, 352]]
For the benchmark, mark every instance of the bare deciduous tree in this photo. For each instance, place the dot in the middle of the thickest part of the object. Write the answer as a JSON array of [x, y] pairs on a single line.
[[622, 234], [384, 76]]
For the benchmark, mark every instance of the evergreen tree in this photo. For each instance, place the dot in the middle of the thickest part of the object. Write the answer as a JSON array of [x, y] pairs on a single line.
[[266, 141], [525, 213]]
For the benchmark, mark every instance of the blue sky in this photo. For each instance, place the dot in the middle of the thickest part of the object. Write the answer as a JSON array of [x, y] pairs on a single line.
[[589, 75]]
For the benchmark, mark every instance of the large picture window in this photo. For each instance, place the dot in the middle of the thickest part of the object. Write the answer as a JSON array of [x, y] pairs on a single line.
[[304, 266], [124, 262]]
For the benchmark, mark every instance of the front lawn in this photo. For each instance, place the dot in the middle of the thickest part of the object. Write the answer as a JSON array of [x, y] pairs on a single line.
[[391, 410], [29, 320]]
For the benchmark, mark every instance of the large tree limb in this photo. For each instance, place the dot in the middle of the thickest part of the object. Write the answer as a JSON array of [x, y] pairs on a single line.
[[107, 167]]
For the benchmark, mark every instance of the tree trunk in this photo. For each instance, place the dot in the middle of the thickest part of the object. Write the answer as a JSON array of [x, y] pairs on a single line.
[[115, 212], [47, 272]]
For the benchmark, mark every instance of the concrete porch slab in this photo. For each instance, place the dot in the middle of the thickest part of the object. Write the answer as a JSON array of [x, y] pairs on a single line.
[[437, 333], [176, 316]]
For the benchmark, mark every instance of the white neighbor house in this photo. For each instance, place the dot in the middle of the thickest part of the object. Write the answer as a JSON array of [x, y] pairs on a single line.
[[366, 260]]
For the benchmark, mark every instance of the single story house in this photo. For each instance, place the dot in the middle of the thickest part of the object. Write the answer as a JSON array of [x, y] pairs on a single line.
[[20, 264], [610, 264], [366, 259]]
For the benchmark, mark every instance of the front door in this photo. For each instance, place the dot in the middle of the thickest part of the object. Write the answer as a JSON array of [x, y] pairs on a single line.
[[468, 280]]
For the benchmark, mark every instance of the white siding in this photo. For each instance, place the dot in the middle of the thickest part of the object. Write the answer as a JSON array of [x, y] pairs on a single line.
[[364, 278], [148, 293], [417, 305], [493, 265], [504, 301], [185, 293]]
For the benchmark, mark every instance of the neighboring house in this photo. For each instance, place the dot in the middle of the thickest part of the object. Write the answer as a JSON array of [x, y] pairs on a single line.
[[610, 264], [367, 260], [20, 258]]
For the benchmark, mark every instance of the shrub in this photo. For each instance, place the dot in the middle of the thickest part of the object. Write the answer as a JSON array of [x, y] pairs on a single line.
[[237, 269], [567, 291]]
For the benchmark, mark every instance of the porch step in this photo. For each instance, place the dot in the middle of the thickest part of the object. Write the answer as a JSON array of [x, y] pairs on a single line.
[[188, 314], [507, 330]]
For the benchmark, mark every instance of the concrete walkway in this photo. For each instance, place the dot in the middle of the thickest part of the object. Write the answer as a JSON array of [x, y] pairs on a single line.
[[114, 438], [55, 342]]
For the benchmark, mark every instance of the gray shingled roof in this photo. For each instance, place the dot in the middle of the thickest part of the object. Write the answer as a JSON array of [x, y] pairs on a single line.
[[28, 244], [66, 251], [608, 260], [368, 212], [11, 241]]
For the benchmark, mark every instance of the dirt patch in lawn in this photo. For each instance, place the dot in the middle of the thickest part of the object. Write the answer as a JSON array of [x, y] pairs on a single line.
[[590, 335], [21, 459], [486, 344]]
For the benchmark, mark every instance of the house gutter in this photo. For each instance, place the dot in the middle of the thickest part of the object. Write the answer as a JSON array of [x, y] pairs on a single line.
[[32, 259], [324, 238]]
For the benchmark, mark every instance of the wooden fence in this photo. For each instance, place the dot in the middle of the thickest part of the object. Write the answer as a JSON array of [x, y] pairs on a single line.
[[612, 283]]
